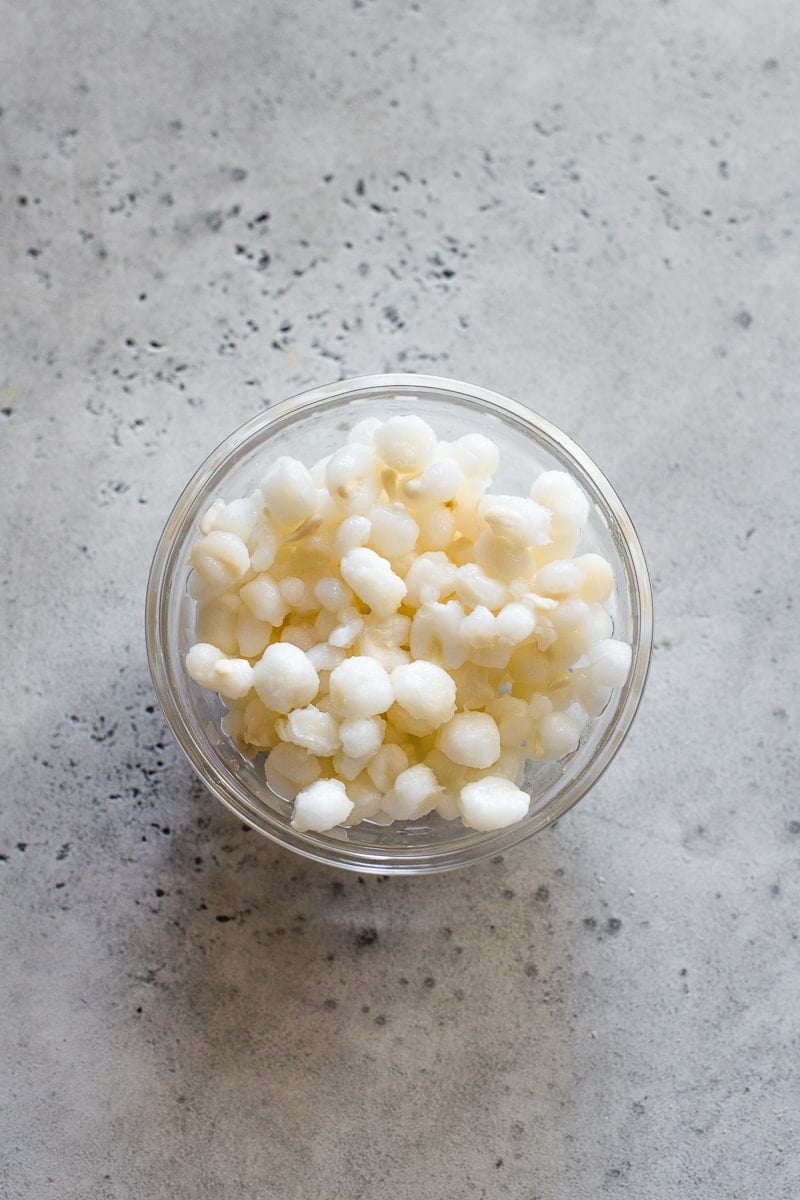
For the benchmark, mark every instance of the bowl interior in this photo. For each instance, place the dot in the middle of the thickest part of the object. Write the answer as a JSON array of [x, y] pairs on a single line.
[[310, 427]]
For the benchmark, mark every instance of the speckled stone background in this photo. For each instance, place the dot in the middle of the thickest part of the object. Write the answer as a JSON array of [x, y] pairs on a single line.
[[589, 206]]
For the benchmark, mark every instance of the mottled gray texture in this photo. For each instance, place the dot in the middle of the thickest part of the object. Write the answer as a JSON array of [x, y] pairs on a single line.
[[591, 207]]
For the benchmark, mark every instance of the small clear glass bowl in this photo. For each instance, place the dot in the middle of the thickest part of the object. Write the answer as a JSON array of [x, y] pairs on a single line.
[[308, 427]]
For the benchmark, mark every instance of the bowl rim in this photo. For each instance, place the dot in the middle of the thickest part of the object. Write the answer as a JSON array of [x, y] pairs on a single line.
[[335, 851]]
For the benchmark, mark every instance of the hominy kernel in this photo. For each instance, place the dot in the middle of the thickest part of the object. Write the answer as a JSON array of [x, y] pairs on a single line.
[[431, 577], [386, 765], [609, 663], [313, 729], [284, 678], [425, 691], [351, 477], [492, 803], [289, 492], [405, 443], [373, 580], [394, 533], [470, 739], [263, 597], [320, 806], [360, 687], [520, 521], [557, 735], [220, 560], [414, 793], [353, 531], [558, 492], [362, 737], [477, 455]]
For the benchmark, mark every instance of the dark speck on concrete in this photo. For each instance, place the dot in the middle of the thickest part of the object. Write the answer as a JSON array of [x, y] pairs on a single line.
[[543, 893], [367, 936], [429, 981], [744, 319], [222, 918], [589, 923], [330, 1004], [794, 827], [613, 925], [63, 852]]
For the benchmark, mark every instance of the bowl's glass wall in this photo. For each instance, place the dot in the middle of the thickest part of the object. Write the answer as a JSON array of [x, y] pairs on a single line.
[[310, 427]]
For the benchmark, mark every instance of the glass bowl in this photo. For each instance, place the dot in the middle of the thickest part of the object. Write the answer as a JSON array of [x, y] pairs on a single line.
[[308, 427]]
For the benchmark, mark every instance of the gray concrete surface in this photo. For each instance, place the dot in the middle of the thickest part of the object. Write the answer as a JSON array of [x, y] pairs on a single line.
[[591, 207]]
